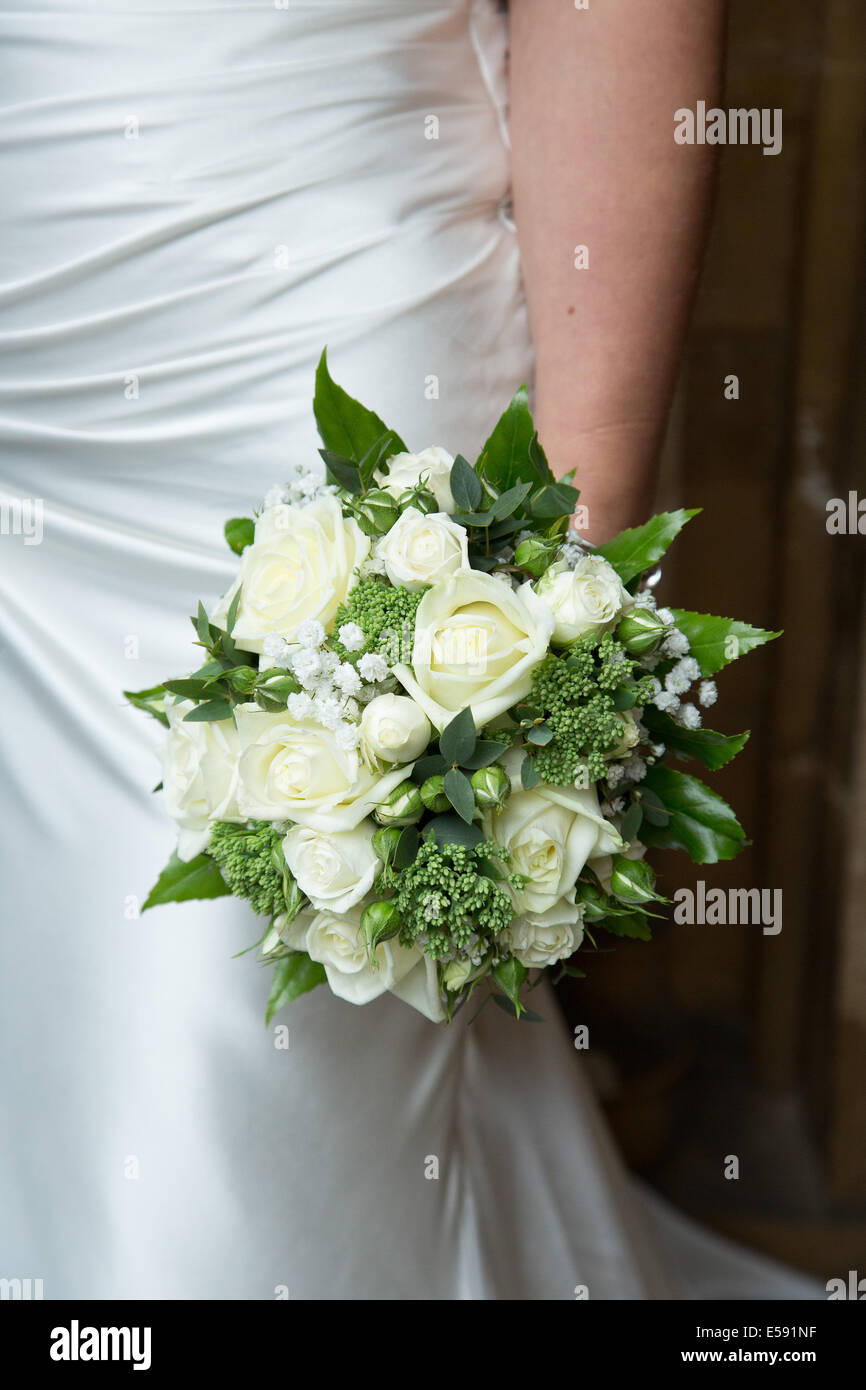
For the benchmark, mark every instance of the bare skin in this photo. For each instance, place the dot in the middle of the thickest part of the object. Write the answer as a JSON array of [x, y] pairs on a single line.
[[594, 164]]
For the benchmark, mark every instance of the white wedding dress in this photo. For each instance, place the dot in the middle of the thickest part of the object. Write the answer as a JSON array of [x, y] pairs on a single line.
[[198, 198]]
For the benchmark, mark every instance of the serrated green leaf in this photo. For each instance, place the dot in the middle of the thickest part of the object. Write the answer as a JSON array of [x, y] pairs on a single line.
[[510, 975], [635, 550], [209, 712], [466, 486], [526, 1015], [633, 925], [342, 472], [457, 739], [240, 532], [701, 822], [459, 791], [388, 444], [346, 427], [705, 745], [182, 881], [293, 975], [152, 701], [715, 642]]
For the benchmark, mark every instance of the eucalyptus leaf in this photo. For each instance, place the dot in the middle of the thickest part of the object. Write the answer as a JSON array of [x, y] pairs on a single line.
[[152, 701], [431, 765], [487, 750], [459, 791], [451, 830], [466, 487], [541, 735], [457, 739], [529, 774], [209, 712]]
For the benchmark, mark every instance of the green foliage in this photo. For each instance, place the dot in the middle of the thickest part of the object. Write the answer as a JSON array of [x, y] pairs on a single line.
[[715, 642], [152, 701], [701, 822], [294, 975], [634, 550], [385, 615], [240, 532], [445, 900], [182, 880], [348, 430], [251, 861], [705, 745], [512, 453]]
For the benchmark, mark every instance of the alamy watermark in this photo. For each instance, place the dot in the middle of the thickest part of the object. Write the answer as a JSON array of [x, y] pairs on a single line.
[[23, 516], [737, 126], [732, 907]]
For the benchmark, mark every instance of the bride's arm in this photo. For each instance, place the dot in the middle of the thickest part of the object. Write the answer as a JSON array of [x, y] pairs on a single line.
[[595, 164]]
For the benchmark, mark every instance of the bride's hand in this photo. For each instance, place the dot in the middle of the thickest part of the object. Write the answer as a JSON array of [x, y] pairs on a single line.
[[610, 217]]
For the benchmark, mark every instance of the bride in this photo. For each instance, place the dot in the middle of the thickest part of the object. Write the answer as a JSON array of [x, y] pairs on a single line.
[[198, 198]]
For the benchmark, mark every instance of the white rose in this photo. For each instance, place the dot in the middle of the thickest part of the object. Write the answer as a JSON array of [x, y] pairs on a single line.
[[337, 942], [430, 469], [419, 549], [199, 775], [542, 938], [300, 565], [550, 833], [476, 644], [629, 736], [589, 598], [334, 869], [395, 729], [294, 770]]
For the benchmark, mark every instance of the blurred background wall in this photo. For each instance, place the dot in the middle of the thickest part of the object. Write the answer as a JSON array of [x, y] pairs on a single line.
[[718, 1040]]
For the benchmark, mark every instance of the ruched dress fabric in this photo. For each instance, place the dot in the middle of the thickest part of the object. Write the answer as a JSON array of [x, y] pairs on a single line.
[[197, 198]]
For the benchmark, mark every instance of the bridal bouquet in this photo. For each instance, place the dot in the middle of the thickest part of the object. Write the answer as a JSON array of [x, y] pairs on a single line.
[[431, 733]]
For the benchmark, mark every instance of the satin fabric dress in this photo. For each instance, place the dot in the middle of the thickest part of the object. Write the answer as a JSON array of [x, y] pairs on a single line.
[[196, 200]]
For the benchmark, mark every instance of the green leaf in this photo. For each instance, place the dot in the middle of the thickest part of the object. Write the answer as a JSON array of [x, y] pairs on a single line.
[[152, 701], [541, 735], [633, 925], [190, 689], [208, 712], [634, 550], [529, 774], [407, 847], [705, 745], [715, 642], [431, 765], [451, 830], [505, 1004], [240, 532], [625, 697], [388, 443], [466, 487], [509, 455], [554, 500], [347, 428], [459, 791], [202, 625], [538, 459], [631, 821], [232, 614], [343, 472], [701, 822], [293, 975], [507, 502], [179, 882], [457, 739], [509, 974], [487, 750]]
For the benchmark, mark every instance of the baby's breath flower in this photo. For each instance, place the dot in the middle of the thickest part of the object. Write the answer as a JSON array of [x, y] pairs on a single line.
[[351, 636], [675, 644], [689, 716], [708, 693], [372, 667], [311, 634]]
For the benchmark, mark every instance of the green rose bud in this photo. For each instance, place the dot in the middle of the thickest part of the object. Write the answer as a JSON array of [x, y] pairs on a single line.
[[379, 922], [419, 498], [491, 786], [535, 553], [376, 512], [385, 842], [433, 794], [242, 678], [594, 901], [402, 806], [641, 631], [632, 880]]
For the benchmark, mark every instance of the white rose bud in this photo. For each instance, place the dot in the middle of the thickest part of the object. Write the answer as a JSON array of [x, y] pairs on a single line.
[[430, 469], [591, 598], [421, 548], [395, 729]]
